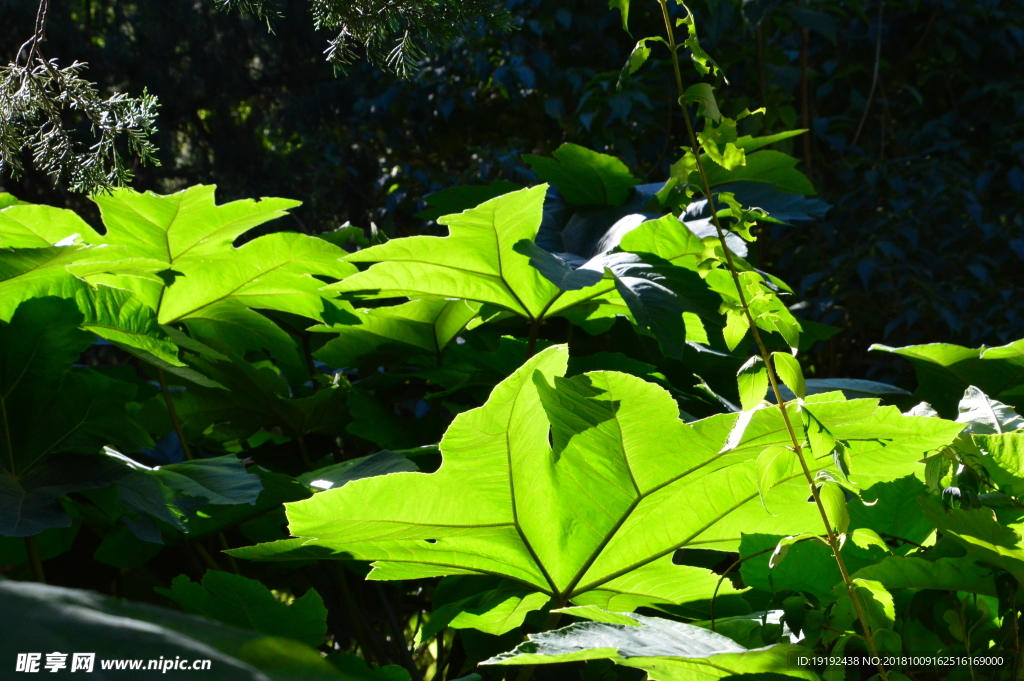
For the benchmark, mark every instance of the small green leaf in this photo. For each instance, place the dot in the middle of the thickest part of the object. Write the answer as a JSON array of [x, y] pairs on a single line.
[[833, 498], [735, 327], [865, 538], [819, 437], [703, 95], [788, 369], [753, 382], [637, 58], [773, 465]]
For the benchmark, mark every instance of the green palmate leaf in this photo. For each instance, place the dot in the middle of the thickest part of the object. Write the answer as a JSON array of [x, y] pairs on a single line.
[[753, 382], [666, 650], [788, 369], [488, 604], [47, 408], [585, 177], [985, 416], [478, 262], [414, 328], [273, 272], [247, 604], [582, 488], [944, 372], [53, 618]]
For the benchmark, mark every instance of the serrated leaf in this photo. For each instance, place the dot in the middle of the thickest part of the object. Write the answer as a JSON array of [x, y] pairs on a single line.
[[833, 498], [703, 95], [769, 166], [788, 369], [637, 58], [865, 538], [752, 380], [822, 442]]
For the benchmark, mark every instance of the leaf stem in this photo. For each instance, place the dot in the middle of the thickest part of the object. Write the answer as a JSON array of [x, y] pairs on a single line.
[[526, 672], [833, 540], [33, 556], [531, 344], [174, 415]]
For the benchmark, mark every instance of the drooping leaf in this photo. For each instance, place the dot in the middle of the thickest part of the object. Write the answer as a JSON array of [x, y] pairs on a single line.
[[774, 464], [584, 177], [985, 416], [666, 650], [945, 372], [246, 604], [942, 574], [58, 619], [852, 388]]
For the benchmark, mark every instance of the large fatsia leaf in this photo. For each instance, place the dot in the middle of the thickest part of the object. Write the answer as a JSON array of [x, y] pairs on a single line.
[[247, 604], [666, 650], [47, 408], [51, 618], [588, 485], [945, 372], [273, 272], [477, 261], [183, 227]]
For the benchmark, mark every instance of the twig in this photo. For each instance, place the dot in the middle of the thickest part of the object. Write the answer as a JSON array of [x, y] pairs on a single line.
[[33, 557], [874, 75]]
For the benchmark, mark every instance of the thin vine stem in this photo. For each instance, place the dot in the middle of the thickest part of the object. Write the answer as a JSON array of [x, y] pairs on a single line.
[[33, 556], [833, 540]]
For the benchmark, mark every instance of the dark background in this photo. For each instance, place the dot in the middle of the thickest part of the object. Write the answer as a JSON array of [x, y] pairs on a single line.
[[925, 240]]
